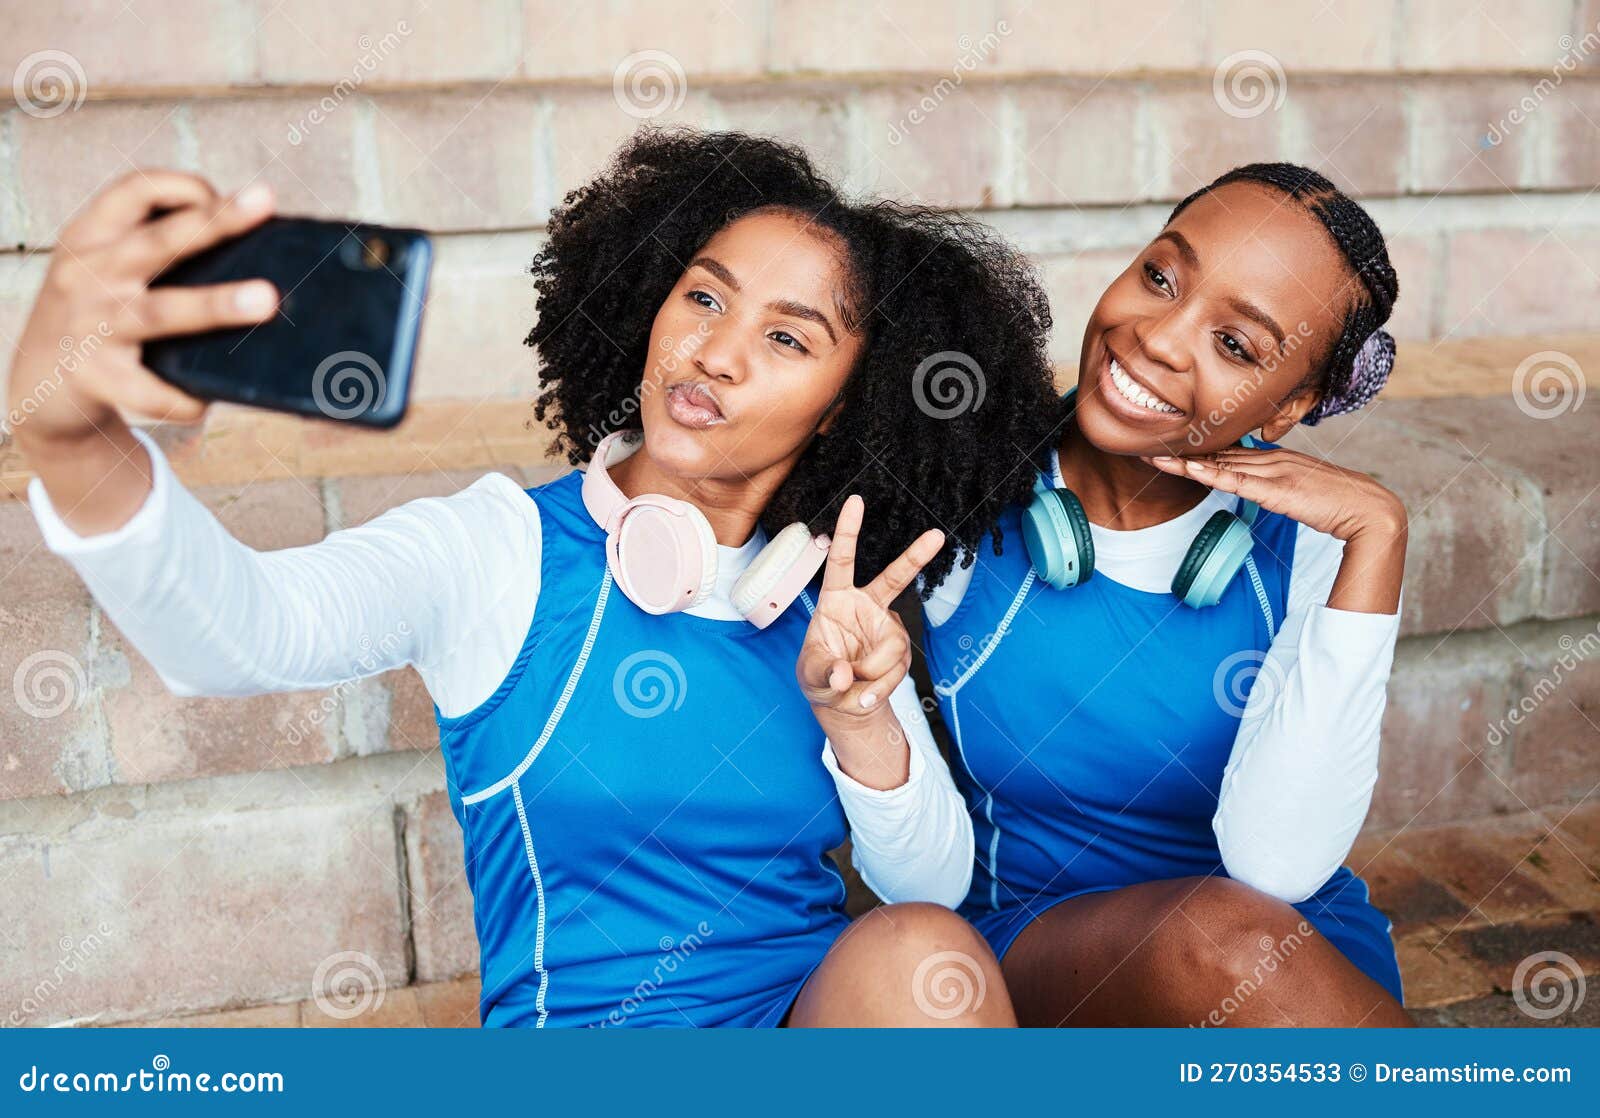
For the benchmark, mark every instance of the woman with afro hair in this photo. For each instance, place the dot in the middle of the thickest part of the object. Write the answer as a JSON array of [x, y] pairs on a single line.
[[662, 690], [1166, 695]]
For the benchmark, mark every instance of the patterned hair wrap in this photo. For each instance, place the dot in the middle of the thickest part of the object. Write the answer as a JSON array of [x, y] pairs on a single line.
[[1367, 375]]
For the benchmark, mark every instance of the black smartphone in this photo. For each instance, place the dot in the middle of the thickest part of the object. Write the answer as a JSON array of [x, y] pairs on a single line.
[[344, 339]]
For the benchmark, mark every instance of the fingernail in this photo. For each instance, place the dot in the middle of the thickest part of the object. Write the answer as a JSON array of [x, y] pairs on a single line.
[[253, 197], [254, 298], [868, 699]]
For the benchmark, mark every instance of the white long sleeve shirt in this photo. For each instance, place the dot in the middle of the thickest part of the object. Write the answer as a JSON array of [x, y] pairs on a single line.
[[1299, 780], [448, 585]]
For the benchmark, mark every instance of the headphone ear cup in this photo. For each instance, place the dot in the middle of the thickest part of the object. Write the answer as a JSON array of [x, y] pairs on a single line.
[[663, 554], [776, 576], [1055, 530], [1213, 560]]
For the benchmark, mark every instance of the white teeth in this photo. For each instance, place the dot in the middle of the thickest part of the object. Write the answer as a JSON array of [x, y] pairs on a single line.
[[1134, 393]]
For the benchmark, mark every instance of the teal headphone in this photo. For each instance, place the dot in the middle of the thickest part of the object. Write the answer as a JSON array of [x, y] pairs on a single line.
[[1061, 548]]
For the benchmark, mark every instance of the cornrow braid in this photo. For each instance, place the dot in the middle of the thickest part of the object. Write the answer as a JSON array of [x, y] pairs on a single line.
[[1345, 383]]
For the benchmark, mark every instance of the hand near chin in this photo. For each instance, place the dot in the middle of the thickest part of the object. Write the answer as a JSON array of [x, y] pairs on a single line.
[[1345, 504], [856, 650], [1314, 492]]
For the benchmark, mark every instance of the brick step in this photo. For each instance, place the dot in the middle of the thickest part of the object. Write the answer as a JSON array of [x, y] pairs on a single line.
[[237, 444], [1473, 903], [235, 43], [427, 1005], [1470, 904], [499, 155]]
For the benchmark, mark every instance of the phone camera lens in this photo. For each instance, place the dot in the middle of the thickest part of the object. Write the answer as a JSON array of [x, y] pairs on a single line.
[[368, 252]]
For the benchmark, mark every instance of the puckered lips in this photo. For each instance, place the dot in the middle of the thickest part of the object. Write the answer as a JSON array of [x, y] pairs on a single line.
[[693, 405]]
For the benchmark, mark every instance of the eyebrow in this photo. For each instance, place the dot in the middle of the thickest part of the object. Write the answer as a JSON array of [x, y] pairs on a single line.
[[1238, 306], [782, 306]]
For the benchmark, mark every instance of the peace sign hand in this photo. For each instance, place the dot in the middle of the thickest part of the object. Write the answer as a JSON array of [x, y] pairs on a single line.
[[856, 650]]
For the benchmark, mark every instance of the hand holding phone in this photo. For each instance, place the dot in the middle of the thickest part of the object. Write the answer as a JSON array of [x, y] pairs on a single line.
[[342, 343], [78, 359]]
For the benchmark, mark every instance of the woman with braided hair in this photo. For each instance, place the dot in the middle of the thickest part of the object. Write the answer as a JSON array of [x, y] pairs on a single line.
[[1167, 762]]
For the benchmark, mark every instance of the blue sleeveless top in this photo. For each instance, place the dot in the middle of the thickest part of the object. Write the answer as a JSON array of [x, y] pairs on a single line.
[[1092, 726], [645, 810]]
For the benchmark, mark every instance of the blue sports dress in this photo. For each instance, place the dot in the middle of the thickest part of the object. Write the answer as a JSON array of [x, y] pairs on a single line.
[[645, 817], [1090, 741]]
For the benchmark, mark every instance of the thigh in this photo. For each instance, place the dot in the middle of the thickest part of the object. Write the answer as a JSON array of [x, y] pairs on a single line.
[[1199, 950], [905, 965]]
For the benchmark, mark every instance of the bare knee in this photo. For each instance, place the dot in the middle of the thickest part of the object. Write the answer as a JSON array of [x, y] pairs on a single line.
[[1226, 934], [908, 965], [910, 931]]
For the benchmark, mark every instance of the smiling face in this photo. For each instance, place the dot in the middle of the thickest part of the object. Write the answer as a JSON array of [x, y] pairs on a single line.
[[748, 351], [1214, 326]]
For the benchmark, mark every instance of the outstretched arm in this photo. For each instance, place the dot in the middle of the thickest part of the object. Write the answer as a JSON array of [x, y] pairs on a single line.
[[442, 582]]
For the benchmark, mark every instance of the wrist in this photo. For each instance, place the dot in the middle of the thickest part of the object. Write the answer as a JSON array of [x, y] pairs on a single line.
[[877, 720], [871, 749], [42, 447], [1389, 529]]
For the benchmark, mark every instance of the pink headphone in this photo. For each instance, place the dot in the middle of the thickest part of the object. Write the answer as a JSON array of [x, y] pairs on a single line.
[[663, 553]]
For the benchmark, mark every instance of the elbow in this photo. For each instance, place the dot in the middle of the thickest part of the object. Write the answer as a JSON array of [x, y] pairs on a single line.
[[182, 688], [1274, 881], [945, 885], [1255, 864], [943, 892], [200, 688], [951, 889]]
